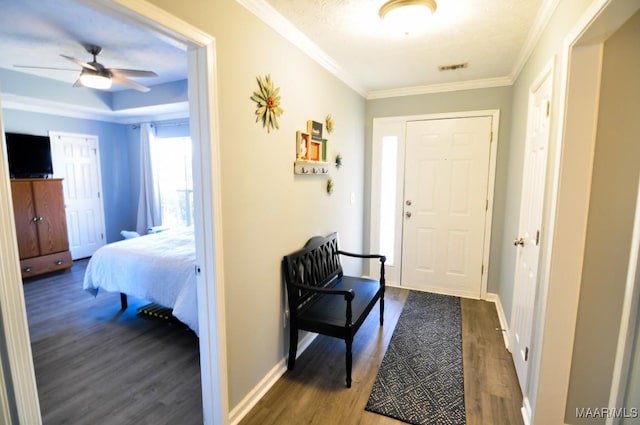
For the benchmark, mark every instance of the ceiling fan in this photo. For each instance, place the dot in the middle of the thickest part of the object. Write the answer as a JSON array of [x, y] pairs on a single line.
[[95, 75]]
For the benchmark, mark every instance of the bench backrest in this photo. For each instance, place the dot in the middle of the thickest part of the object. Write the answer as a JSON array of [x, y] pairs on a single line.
[[317, 265]]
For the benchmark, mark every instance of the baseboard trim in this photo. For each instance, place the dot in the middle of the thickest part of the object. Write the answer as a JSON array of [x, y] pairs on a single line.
[[526, 411], [244, 407], [495, 298]]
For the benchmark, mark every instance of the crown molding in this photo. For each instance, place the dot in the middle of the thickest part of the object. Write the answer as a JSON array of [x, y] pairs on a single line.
[[440, 88], [265, 12], [270, 16], [542, 19], [125, 116]]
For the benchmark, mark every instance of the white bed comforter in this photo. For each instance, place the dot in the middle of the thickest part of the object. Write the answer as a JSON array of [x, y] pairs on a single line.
[[159, 267]]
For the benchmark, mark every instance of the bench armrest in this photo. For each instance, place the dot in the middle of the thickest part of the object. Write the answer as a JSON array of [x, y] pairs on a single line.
[[351, 254], [347, 293]]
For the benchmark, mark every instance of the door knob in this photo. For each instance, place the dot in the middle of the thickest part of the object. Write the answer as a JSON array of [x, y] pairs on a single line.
[[518, 242], [408, 214], [408, 202]]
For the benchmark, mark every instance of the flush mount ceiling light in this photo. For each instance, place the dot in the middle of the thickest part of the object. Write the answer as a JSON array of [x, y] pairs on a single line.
[[407, 16]]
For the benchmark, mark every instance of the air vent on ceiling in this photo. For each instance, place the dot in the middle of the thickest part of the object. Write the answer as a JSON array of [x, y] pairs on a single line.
[[453, 67]]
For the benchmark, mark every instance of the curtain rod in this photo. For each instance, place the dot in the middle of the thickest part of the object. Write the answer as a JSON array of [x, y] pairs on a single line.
[[163, 124]]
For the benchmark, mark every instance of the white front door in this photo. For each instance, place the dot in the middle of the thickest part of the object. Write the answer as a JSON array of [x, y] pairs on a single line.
[[76, 159], [445, 204], [527, 242]]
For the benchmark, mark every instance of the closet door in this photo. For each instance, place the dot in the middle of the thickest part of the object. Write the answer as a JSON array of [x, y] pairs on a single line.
[[25, 217]]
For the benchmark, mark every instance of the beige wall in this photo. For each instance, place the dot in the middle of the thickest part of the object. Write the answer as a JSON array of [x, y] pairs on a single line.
[[616, 169], [460, 101], [267, 211]]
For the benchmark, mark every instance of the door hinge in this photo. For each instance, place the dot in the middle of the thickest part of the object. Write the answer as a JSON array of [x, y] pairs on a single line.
[[482, 270], [102, 236], [486, 206], [538, 238], [526, 354], [491, 136], [548, 108]]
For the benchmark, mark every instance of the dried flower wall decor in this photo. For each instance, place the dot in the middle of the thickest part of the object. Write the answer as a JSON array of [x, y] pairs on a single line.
[[268, 103], [328, 122]]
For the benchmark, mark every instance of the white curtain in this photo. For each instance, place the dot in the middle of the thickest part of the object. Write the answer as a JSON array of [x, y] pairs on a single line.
[[149, 204]]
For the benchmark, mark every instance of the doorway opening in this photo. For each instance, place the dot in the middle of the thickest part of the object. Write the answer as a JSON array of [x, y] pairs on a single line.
[[200, 50]]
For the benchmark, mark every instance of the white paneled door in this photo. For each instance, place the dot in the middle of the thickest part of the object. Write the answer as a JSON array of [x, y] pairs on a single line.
[[527, 242], [445, 204], [76, 159]]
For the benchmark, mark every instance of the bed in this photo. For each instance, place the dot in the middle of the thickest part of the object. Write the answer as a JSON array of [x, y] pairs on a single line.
[[159, 267]]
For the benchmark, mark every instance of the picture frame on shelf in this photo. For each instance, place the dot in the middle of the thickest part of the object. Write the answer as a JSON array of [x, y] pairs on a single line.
[[303, 141], [314, 128], [315, 151]]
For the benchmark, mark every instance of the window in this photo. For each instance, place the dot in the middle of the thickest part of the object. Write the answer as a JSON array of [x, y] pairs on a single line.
[[172, 161], [388, 185]]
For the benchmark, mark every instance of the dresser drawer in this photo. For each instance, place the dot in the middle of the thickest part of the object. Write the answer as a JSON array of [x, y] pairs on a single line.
[[45, 264]]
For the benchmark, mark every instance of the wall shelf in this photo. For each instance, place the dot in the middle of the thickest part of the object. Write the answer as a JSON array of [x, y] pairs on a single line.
[[310, 167]]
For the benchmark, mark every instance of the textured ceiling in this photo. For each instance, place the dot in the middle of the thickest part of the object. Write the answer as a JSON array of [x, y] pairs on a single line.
[[490, 35]]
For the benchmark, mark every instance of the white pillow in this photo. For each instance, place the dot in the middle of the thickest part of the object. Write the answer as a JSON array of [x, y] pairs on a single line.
[[128, 234]]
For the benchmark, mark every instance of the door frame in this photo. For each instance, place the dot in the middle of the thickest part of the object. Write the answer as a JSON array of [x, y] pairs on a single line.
[[60, 134], [201, 52], [397, 127], [562, 252]]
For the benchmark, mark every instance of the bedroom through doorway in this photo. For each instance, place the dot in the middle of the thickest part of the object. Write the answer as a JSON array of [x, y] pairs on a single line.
[[200, 49]]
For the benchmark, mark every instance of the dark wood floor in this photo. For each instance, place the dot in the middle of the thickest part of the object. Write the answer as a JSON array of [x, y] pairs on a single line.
[[98, 365], [314, 393]]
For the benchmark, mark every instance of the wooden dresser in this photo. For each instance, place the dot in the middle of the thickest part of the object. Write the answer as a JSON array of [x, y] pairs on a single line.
[[41, 226]]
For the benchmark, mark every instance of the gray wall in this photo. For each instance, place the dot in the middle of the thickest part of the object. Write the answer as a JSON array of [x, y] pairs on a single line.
[[614, 191], [467, 100], [267, 211]]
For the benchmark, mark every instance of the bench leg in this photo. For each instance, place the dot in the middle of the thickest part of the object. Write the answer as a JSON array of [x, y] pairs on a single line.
[[293, 347], [381, 311], [123, 301], [349, 342]]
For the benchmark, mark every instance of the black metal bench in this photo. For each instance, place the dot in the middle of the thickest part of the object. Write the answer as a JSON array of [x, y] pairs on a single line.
[[323, 300]]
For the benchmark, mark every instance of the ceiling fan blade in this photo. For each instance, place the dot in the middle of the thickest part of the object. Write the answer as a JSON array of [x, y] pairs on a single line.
[[44, 67], [79, 62], [132, 72], [125, 82]]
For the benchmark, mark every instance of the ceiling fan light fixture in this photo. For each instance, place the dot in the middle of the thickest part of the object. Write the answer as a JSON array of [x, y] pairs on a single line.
[[407, 16], [95, 80]]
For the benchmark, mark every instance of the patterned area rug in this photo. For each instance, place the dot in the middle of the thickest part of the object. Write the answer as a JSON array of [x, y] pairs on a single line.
[[420, 380]]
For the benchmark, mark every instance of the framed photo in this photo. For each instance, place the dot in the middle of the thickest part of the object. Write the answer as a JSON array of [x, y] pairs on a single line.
[[303, 141]]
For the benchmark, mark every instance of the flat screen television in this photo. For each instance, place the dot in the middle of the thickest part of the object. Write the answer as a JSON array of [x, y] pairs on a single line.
[[29, 155]]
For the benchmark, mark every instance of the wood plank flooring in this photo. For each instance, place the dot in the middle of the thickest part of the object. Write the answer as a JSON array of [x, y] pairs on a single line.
[[98, 365], [314, 392]]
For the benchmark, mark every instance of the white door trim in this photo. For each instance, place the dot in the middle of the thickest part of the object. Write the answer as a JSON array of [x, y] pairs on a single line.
[[375, 173], [204, 128], [19, 383]]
